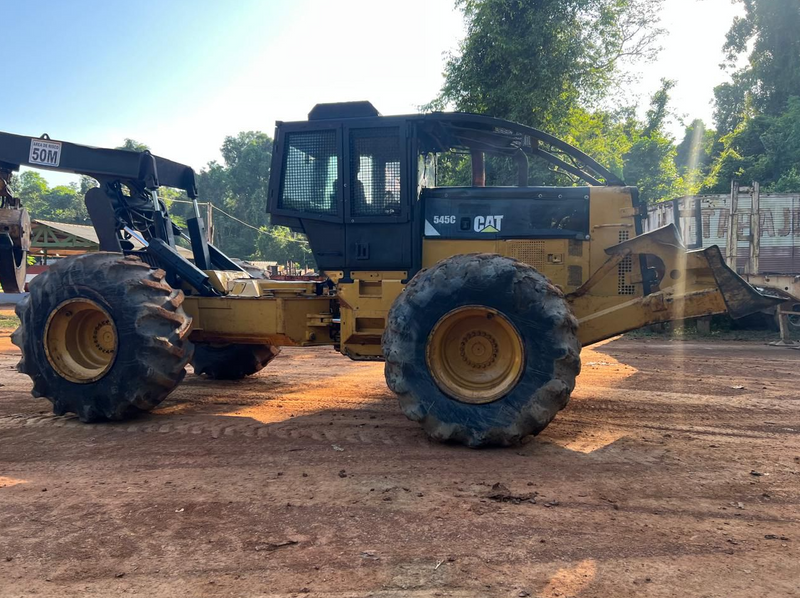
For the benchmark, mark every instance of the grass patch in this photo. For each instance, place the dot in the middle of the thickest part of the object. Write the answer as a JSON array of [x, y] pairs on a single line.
[[8, 322]]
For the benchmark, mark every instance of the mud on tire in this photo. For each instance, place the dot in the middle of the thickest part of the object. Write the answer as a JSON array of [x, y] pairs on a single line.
[[530, 302], [231, 362], [152, 335]]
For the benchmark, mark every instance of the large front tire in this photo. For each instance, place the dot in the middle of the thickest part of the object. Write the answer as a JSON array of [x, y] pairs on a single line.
[[103, 336], [481, 349]]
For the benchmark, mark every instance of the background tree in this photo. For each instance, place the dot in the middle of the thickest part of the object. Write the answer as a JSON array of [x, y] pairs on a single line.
[[770, 28], [239, 187], [62, 203], [547, 63], [695, 154], [650, 162], [732, 103], [762, 148], [606, 135], [758, 112], [533, 61], [133, 146]]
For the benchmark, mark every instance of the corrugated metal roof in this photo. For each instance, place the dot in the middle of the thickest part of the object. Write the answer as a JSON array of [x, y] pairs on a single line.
[[87, 233], [261, 264], [79, 230]]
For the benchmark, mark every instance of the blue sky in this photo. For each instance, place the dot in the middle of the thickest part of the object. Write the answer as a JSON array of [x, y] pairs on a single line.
[[180, 75], [82, 65]]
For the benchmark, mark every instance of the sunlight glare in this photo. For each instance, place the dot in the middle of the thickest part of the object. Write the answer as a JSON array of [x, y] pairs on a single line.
[[6, 482], [570, 581]]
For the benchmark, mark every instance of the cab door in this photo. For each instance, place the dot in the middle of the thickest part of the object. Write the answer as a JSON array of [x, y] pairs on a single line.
[[377, 196]]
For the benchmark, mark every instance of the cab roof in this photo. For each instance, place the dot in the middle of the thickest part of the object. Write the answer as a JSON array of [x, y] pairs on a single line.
[[464, 132]]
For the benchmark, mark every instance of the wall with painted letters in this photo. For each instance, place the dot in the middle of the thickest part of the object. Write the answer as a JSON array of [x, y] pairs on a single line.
[[707, 224]]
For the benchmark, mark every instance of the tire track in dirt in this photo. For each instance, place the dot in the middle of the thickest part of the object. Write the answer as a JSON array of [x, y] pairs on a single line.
[[318, 432]]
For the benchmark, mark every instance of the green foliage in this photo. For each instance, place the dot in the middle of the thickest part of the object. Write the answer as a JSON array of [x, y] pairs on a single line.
[[9, 321], [63, 203], [762, 148], [133, 146], [650, 165], [694, 155], [788, 183], [657, 113], [278, 243], [650, 162], [545, 62], [533, 61], [731, 102], [239, 187], [641, 152], [174, 198], [604, 135], [758, 111], [781, 141], [769, 30], [248, 157], [453, 170], [86, 183], [697, 148]]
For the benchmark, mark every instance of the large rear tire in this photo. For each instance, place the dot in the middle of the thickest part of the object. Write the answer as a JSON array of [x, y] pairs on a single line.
[[103, 336], [481, 349], [232, 362]]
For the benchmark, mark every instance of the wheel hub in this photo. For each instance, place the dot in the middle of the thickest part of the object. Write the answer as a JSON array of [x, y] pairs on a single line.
[[104, 337], [475, 354], [479, 349], [80, 340]]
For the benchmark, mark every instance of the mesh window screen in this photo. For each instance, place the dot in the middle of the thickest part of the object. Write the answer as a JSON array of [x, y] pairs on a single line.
[[375, 172], [310, 172]]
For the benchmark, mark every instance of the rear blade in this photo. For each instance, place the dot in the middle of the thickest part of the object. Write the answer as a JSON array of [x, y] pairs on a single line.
[[740, 297]]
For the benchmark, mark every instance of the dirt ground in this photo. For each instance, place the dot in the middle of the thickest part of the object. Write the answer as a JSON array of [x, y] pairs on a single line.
[[674, 471]]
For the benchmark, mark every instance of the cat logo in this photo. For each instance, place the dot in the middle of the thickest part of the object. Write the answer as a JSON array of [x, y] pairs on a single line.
[[488, 224]]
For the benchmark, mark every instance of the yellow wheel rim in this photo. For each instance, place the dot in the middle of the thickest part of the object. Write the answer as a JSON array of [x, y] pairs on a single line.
[[475, 354], [80, 340]]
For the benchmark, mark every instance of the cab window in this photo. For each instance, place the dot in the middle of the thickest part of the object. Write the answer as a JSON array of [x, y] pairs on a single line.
[[375, 172], [310, 173]]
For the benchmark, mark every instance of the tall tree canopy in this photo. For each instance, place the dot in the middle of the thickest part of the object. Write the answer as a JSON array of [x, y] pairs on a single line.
[[762, 148], [533, 61], [650, 161], [133, 146], [695, 151], [770, 28], [757, 112]]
